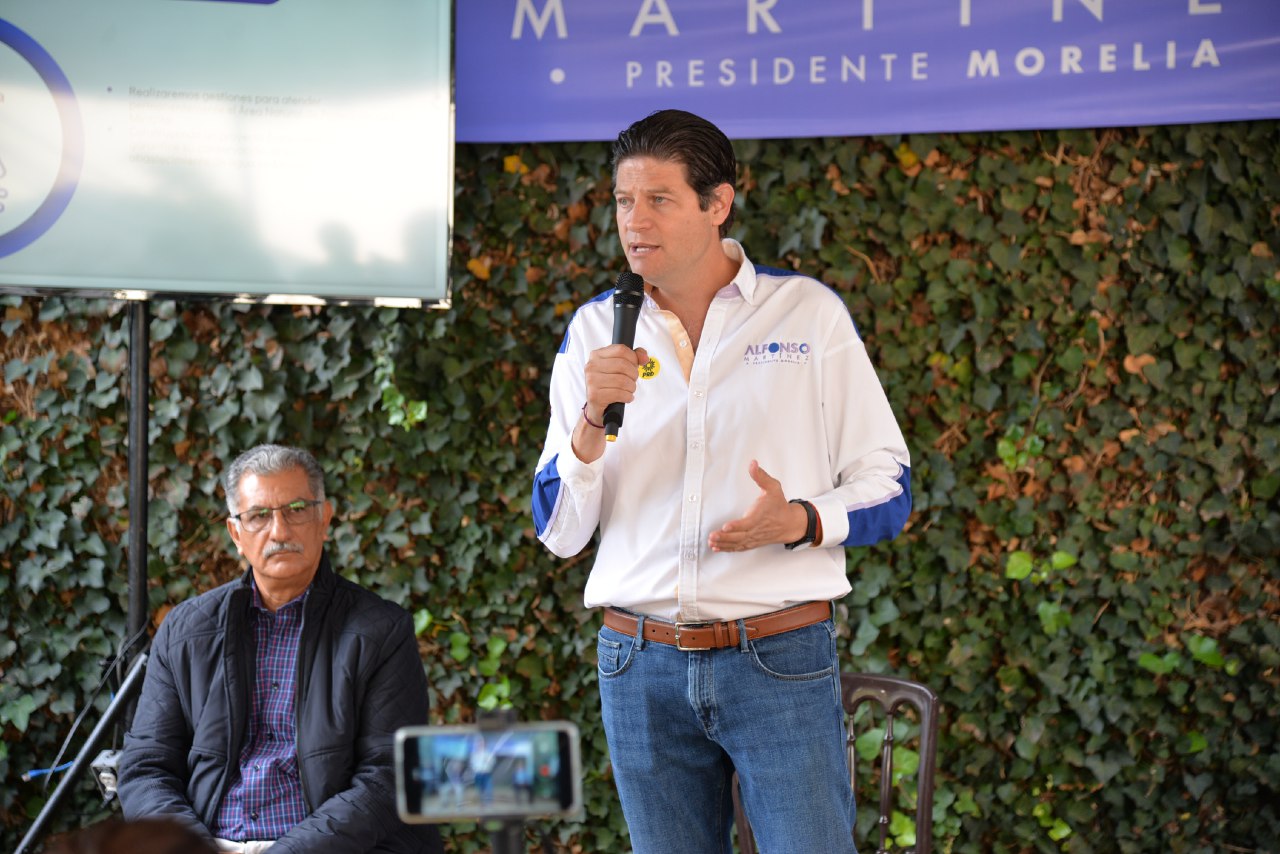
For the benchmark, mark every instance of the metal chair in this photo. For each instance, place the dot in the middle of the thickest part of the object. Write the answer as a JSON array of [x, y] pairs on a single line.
[[890, 693]]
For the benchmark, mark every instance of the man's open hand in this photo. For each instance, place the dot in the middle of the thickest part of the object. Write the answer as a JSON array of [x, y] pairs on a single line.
[[770, 519]]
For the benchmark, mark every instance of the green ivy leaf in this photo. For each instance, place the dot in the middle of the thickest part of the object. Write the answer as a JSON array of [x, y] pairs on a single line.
[[1053, 618], [421, 621], [530, 666], [1159, 665], [1205, 651], [494, 694], [902, 828], [18, 711], [1192, 742], [869, 743], [906, 762], [1062, 560], [459, 646], [1018, 565]]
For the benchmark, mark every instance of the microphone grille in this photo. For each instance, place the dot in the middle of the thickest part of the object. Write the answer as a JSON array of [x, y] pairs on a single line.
[[629, 282]]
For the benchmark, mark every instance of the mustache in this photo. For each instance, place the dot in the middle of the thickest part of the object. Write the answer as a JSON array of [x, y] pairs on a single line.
[[277, 547]]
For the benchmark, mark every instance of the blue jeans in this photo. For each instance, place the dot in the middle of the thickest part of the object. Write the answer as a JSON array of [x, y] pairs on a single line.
[[679, 723]]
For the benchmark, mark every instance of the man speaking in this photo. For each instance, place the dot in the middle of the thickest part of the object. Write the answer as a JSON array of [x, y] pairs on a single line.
[[757, 442], [270, 704]]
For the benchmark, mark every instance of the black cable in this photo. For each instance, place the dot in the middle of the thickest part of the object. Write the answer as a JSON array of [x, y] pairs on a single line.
[[124, 650]]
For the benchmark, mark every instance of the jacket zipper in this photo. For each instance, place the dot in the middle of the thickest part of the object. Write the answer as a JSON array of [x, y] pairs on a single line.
[[298, 695]]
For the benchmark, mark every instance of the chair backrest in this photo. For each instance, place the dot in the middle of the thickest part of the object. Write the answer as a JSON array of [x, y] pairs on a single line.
[[890, 694]]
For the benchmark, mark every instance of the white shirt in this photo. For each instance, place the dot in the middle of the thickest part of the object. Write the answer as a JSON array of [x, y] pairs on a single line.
[[780, 376]]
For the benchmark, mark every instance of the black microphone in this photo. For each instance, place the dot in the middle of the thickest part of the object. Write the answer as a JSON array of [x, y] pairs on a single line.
[[628, 296]]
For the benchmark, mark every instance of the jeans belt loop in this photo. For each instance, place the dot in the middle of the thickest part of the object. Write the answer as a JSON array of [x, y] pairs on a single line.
[[639, 631], [742, 635]]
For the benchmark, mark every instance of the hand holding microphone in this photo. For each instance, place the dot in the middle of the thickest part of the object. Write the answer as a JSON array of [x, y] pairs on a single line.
[[611, 373], [628, 296]]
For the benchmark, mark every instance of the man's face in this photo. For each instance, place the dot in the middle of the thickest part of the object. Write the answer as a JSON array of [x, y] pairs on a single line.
[[283, 552], [665, 233]]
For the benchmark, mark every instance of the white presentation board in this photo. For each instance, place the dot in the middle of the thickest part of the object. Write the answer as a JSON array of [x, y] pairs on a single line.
[[280, 150]]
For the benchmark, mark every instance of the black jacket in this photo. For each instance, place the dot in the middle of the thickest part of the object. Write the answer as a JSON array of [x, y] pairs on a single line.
[[359, 679]]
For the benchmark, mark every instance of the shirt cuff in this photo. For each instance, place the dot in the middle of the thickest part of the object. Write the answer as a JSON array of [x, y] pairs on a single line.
[[574, 471], [835, 521]]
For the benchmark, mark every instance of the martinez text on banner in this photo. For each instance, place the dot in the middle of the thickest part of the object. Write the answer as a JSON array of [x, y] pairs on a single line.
[[545, 70]]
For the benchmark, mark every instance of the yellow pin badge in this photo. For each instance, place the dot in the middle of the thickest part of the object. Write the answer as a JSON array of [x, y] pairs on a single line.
[[649, 369]]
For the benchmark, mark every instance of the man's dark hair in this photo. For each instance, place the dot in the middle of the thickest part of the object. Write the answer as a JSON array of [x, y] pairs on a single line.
[[682, 137], [270, 459]]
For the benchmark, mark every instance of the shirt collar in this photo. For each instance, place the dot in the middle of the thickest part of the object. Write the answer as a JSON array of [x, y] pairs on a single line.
[[743, 283], [257, 597]]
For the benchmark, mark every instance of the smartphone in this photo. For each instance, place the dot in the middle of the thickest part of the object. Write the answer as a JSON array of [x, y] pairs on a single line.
[[466, 773]]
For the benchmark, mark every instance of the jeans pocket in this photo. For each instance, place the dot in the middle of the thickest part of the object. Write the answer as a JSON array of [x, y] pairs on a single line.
[[613, 652], [801, 654]]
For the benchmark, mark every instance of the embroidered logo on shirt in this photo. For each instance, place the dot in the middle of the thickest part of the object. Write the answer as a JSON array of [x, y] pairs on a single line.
[[650, 369], [777, 352]]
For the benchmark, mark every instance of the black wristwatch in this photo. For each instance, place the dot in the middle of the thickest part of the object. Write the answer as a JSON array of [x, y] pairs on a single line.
[[810, 525]]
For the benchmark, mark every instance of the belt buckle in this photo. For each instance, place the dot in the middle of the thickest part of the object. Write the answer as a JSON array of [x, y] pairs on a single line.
[[684, 648]]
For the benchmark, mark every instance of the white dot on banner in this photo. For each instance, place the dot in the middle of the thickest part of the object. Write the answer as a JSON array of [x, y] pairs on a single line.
[[557, 75]]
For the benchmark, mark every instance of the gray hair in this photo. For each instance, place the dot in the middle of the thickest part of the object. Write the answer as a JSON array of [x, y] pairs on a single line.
[[270, 459]]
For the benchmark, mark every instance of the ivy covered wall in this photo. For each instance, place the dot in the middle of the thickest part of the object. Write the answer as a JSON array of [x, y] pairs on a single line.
[[1079, 331]]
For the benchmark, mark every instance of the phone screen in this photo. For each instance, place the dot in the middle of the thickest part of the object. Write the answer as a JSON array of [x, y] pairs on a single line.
[[464, 773]]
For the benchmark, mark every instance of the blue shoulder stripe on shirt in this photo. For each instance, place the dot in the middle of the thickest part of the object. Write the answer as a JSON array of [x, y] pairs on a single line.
[[564, 344], [762, 270], [546, 490], [869, 524]]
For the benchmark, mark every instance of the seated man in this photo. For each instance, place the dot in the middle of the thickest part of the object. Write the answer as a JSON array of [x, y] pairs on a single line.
[[270, 703]]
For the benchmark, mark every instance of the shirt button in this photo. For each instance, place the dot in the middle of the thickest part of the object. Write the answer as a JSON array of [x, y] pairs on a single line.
[[695, 446], [698, 394], [684, 343], [689, 555], [253, 816], [693, 498]]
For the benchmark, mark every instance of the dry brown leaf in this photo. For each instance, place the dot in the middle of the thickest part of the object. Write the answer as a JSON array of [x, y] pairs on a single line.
[[1134, 364], [1080, 237]]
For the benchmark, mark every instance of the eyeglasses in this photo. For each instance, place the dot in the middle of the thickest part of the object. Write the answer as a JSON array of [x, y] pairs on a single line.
[[295, 513]]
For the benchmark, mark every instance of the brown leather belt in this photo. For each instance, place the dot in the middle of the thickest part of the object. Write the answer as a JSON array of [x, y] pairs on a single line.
[[700, 636]]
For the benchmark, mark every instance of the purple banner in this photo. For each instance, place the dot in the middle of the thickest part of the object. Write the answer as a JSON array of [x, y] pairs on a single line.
[[543, 70]]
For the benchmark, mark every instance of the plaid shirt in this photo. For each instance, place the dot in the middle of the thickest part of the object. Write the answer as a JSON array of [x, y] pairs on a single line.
[[267, 800]]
